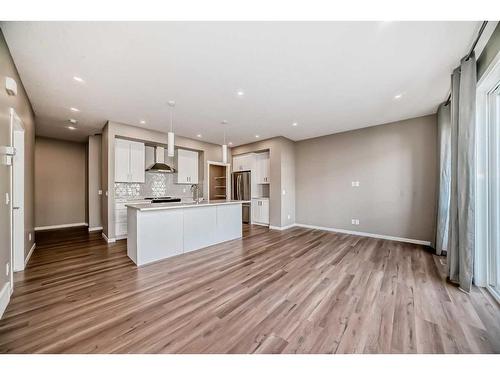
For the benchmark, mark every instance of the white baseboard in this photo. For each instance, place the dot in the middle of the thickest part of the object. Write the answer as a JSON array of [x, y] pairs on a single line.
[[282, 228], [61, 226], [4, 298], [261, 224], [108, 240], [94, 229], [29, 254], [364, 234]]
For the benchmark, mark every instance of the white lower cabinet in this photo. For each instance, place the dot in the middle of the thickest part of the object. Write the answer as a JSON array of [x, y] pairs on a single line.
[[121, 216], [158, 234], [199, 227], [260, 211]]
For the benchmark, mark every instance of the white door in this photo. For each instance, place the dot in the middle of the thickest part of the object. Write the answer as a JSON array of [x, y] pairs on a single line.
[[255, 211], [18, 200], [187, 167], [137, 160], [266, 166], [122, 160], [264, 211], [262, 170]]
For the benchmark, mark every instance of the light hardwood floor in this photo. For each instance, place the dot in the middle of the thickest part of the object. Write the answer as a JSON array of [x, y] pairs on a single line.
[[295, 291]]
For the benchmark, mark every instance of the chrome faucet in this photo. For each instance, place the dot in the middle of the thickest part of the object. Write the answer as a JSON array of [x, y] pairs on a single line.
[[195, 189]]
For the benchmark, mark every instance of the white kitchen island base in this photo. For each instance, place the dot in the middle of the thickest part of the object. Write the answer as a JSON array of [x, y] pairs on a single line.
[[159, 231]]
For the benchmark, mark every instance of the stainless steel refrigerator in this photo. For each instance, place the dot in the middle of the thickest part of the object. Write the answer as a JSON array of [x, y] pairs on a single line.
[[241, 192]]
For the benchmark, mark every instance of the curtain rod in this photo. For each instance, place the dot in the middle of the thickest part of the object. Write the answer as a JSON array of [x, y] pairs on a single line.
[[481, 29]]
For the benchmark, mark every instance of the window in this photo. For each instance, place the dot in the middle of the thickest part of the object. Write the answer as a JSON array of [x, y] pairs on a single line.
[[487, 262]]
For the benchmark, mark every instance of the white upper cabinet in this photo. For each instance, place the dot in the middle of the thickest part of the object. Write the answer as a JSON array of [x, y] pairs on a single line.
[[137, 161], [187, 166], [122, 171], [263, 168], [129, 161], [244, 162]]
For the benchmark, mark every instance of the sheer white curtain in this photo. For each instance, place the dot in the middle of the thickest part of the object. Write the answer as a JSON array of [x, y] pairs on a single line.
[[444, 178]]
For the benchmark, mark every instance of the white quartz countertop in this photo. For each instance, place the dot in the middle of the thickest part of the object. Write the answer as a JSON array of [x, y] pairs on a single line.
[[172, 205]]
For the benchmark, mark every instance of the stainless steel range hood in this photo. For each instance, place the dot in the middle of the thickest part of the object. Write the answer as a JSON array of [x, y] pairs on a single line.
[[159, 165]]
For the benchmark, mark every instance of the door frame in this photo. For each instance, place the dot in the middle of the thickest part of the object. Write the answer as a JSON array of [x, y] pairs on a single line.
[[486, 85], [17, 133]]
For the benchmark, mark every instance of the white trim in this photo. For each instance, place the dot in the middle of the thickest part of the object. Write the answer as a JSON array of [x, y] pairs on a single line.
[[482, 180], [94, 229], [282, 228], [365, 234], [4, 297], [108, 240], [228, 177], [261, 224], [30, 254], [493, 293], [62, 226]]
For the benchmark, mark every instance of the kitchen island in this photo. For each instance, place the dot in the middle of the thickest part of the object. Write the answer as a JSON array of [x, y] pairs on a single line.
[[161, 230]]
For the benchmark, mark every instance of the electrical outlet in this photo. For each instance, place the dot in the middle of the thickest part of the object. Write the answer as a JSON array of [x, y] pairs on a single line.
[[7, 269], [355, 221], [99, 192], [355, 183], [284, 191], [288, 216], [29, 236]]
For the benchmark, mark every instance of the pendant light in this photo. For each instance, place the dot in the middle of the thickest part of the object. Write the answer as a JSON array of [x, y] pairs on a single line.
[[170, 134], [224, 145]]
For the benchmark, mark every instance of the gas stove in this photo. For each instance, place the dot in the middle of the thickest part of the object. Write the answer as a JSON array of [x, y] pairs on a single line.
[[163, 199]]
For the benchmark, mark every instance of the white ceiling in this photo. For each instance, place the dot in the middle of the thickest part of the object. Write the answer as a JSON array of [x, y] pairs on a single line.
[[326, 76]]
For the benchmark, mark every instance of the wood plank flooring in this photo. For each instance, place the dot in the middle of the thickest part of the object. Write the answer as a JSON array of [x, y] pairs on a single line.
[[293, 291]]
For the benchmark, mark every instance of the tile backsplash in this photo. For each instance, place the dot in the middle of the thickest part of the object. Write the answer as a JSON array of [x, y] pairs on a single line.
[[156, 185]]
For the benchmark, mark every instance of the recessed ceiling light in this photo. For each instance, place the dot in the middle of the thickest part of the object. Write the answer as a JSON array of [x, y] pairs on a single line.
[[142, 122], [74, 109], [257, 136], [398, 96], [240, 93], [71, 127], [295, 124], [198, 135], [78, 79], [73, 121]]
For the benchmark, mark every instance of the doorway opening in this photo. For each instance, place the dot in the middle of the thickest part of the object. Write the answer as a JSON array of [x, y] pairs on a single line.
[[218, 181]]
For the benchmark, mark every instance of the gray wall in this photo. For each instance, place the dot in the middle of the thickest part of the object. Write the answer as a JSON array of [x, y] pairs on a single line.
[[396, 166], [282, 173], [210, 152], [94, 162], [60, 182], [23, 108]]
